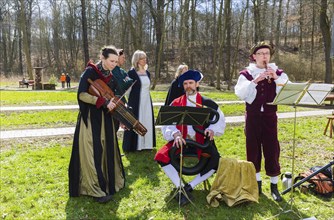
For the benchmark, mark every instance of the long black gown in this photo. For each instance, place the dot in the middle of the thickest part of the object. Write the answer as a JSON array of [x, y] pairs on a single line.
[[96, 167]]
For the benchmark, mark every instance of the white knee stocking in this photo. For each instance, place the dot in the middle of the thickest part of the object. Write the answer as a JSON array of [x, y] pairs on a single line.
[[198, 179], [172, 174], [274, 179]]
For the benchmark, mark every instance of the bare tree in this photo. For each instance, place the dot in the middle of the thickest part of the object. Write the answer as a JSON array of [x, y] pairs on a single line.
[[325, 30], [84, 31], [257, 20], [228, 16], [301, 25], [26, 47], [237, 40], [184, 31], [272, 32], [221, 40], [286, 22], [278, 28], [158, 17]]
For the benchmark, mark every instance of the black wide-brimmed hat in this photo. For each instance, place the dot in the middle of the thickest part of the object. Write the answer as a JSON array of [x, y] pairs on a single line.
[[190, 74]]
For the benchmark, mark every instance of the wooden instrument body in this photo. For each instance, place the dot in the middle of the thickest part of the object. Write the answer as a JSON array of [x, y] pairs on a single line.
[[120, 112]]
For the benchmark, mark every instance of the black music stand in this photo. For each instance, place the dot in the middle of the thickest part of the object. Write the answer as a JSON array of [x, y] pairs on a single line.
[[182, 115], [306, 95]]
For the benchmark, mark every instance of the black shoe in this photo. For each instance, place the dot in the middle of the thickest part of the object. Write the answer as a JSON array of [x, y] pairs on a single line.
[[188, 188], [259, 185], [103, 199], [184, 200], [274, 192]]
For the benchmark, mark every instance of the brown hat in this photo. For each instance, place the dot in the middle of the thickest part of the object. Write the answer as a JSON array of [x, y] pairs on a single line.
[[260, 45]]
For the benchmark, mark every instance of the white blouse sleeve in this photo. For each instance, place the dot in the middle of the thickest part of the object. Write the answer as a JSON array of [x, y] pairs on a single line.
[[219, 127], [168, 131], [281, 80], [245, 89]]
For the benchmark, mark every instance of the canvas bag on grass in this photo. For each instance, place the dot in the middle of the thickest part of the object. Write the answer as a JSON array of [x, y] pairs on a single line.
[[320, 184]]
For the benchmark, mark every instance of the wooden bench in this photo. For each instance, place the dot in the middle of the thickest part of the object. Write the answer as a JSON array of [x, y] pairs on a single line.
[[31, 82], [330, 123], [330, 98]]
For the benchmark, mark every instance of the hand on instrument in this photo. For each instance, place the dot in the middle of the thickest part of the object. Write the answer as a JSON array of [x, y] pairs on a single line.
[[261, 77], [123, 126], [271, 73], [111, 105], [178, 140], [209, 133]]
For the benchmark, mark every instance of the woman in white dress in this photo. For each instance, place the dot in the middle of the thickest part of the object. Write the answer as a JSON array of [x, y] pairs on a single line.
[[141, 103]]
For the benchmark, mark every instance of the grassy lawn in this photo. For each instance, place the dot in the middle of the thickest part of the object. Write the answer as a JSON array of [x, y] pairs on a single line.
[[34, 182]]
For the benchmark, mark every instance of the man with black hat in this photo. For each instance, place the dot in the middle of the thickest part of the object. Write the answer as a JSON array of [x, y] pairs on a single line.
[[175, 135], [258, 85]]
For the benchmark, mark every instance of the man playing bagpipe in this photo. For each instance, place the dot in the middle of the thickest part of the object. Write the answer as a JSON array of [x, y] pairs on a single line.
[[176, 135]]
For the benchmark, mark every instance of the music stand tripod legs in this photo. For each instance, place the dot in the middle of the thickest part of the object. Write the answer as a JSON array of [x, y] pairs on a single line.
[[284, 210], [180, 190]]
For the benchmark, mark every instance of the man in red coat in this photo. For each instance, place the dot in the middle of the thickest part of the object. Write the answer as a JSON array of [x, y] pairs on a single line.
[[175, 135]]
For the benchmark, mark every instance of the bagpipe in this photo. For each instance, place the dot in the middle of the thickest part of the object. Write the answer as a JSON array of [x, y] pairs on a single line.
[[190, 151], [100, 89]]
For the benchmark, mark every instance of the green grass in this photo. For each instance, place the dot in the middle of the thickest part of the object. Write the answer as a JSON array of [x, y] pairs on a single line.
[[34, 183], [69, 97], [37, 98], [35, 119]]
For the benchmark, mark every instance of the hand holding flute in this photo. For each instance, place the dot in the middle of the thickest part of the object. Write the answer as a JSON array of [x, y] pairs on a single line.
[[266, 67]]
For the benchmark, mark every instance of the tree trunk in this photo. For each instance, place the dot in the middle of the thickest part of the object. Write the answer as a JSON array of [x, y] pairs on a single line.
[[234, 60], [228, 18], [272, 32], [278, 29], [158, 17], [214, 44], [221, 34], [192, 45], [300, 40], [257, 20], [24, 26], [4, 33], [84, 31], [56, 37], [325, 30], [312, 41], [184, 49], [108, 25], [286, 22]]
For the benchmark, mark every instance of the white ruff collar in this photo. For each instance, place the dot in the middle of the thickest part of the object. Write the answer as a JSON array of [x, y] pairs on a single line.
[[255, 71]]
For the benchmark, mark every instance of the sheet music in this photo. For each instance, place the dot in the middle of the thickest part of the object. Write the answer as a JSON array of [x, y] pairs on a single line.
[[316, 94], [290, 93]]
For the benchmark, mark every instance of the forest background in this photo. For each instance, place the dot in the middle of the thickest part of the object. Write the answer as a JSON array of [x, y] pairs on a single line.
[[211, 36]]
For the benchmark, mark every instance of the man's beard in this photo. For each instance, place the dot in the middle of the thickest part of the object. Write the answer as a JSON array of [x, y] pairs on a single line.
[[190, 91]]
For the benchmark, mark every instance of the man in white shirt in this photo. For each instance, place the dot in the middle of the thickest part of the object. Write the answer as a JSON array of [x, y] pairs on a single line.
[[176, 135]]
